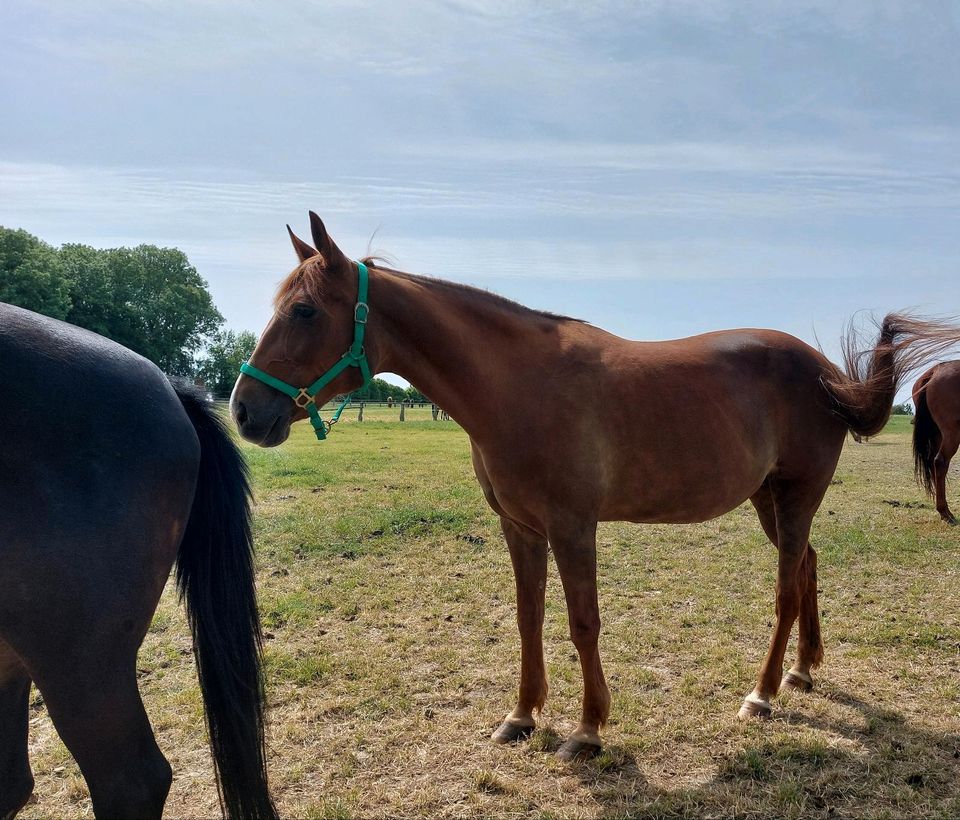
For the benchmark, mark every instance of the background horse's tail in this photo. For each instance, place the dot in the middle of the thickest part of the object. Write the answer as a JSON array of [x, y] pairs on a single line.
[[215, 577], [863, 396], [926, 436]]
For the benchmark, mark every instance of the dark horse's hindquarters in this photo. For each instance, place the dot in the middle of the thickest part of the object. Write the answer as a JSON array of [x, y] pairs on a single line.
[[99, 489]]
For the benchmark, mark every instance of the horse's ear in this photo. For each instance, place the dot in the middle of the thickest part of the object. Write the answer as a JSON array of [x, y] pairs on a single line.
[[331, 254], [304, 251]]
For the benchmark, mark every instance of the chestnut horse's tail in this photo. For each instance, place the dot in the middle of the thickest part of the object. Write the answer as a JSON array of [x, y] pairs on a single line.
[[926, 436], [863, 395]]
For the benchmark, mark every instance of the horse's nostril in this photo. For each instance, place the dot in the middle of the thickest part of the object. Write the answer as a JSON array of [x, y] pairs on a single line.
[[241, 412]]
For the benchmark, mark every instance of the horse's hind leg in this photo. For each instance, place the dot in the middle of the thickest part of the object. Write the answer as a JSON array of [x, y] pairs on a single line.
[[941, 465], [528, 552], [96, 708], [793, 506], [16, 780], [809, 643]]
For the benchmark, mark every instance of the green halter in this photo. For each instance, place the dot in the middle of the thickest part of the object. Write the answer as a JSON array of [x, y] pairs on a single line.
[[303, 397]]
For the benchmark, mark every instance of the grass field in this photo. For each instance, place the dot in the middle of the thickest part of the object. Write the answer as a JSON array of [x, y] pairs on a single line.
[[392, 652]]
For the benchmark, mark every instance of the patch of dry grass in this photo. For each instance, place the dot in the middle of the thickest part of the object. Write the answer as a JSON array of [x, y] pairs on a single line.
[[392, 653]]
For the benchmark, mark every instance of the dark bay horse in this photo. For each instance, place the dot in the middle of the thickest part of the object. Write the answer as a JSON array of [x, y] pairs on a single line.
[[108, 473], [936, 430], [689, 429]]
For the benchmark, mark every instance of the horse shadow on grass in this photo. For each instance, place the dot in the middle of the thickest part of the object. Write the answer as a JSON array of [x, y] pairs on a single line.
[[882, 766]]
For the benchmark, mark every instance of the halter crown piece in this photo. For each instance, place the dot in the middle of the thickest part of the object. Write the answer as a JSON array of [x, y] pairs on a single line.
[[355, 356]]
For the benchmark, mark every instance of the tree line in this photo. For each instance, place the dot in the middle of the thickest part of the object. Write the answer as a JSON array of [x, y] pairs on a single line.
[[149, 299]]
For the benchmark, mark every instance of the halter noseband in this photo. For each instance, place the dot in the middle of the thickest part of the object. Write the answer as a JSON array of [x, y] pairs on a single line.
[[304, 397]]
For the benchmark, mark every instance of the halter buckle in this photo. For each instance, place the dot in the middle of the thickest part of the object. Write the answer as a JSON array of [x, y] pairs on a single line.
[[354, 356], [356, 312], [307, 399]]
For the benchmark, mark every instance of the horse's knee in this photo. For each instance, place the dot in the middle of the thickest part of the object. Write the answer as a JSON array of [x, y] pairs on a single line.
[[585, 631], [788, 601], [941, 466]]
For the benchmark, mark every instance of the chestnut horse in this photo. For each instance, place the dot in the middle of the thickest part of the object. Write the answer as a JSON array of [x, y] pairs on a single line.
[[689, 429], [108, 474], [936, 430]]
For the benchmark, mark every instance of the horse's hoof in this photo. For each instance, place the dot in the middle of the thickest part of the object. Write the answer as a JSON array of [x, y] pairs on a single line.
[[754, 707], [949, 519], [575, 749], [510, 732], [797, 681]]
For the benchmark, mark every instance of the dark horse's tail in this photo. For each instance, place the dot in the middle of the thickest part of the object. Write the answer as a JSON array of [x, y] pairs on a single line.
[[926, 436], [215, 576], [863, 395]]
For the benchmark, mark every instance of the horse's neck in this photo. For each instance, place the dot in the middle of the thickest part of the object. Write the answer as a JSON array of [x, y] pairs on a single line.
[[458, 347]]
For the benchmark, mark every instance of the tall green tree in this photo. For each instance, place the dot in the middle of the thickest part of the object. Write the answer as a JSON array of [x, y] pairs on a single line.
[[31, 275], [158, 305], [91, 292], [219, 368], [149, 299]]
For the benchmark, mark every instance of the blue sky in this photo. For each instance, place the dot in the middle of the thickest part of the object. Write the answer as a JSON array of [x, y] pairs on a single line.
[[659, 168]]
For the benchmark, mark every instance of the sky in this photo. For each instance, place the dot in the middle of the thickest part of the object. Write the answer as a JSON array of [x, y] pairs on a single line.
[[657, 168]]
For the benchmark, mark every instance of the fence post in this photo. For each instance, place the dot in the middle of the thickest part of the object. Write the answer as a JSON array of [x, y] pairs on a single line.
[[360, 415], [402, 406]]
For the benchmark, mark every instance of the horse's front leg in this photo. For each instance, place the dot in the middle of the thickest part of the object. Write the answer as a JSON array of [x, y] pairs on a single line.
[[576, 555], [528, 552]]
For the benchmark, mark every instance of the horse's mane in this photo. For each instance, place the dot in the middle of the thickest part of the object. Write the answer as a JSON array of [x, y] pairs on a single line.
[[307, 278]]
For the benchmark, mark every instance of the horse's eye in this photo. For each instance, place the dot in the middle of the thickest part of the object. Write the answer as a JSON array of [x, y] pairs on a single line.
[[304, 311]]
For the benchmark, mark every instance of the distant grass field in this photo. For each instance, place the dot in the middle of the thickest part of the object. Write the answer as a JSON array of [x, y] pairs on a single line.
[[392, 652]]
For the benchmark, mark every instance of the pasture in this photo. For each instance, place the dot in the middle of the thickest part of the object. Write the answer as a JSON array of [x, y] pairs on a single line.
[[392, 652]]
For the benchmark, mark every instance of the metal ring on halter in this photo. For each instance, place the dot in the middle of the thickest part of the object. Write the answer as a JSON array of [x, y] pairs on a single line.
[[366, 312], [307, 398]]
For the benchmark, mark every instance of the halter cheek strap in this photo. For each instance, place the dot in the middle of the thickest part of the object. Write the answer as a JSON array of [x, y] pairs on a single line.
[[304, 397]]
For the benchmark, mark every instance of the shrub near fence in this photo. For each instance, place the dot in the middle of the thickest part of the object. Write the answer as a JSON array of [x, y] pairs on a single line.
[[381, 411]]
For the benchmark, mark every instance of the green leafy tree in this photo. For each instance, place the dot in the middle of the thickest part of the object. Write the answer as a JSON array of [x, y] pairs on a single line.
[[380, 390], [91, 291], [31, 275], [219, 368], [149, 299]]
